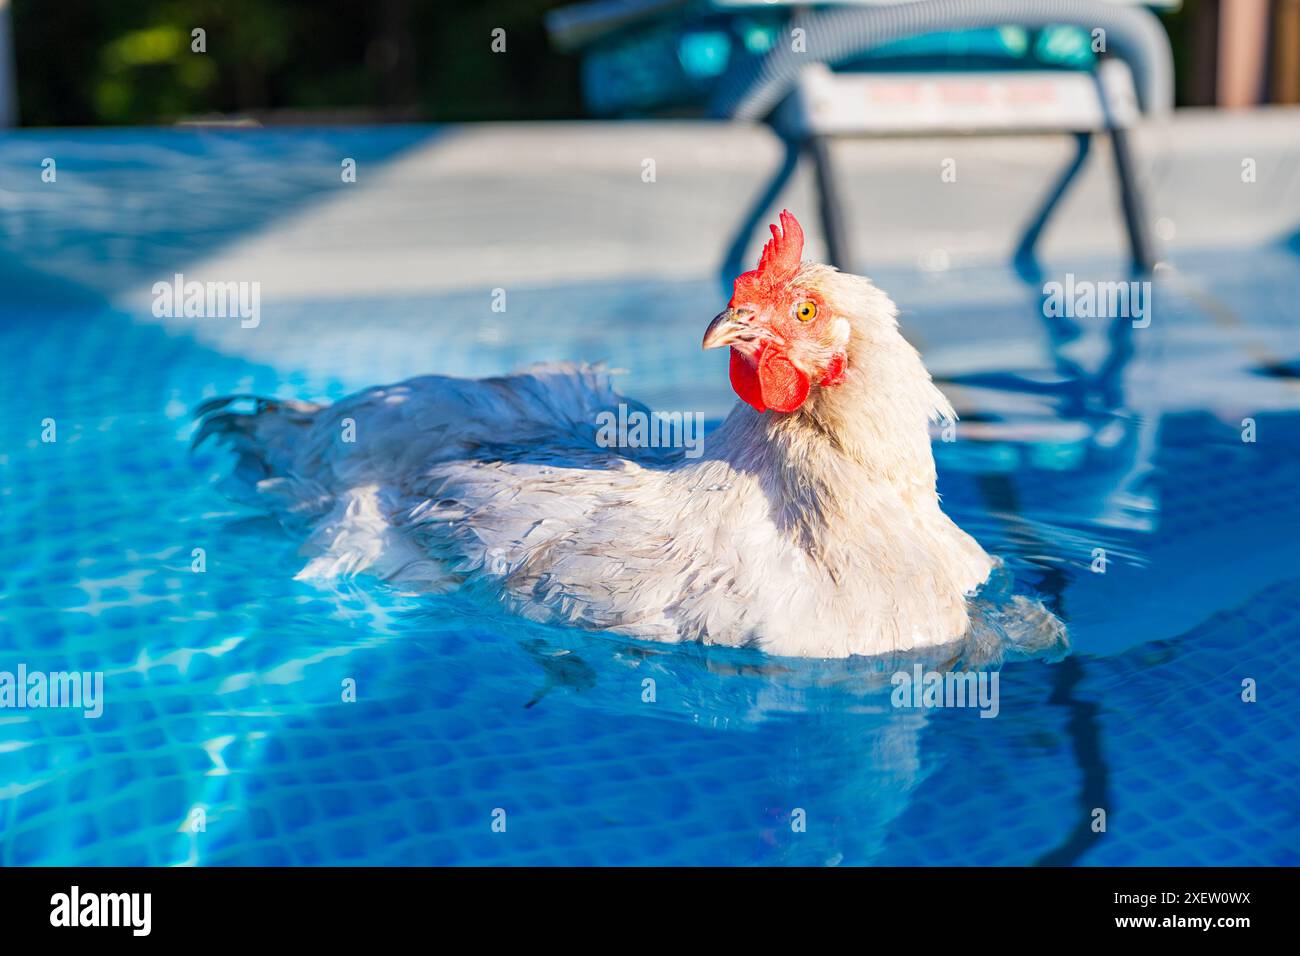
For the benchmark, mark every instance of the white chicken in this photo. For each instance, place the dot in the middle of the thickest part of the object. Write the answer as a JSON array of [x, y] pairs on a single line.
[[809, 527]]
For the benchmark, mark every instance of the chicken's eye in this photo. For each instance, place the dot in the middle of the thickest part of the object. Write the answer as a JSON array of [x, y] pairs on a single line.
[[805, 311]]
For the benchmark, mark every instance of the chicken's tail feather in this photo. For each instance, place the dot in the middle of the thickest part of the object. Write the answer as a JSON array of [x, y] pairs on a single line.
[[236, 426], [263, 436]]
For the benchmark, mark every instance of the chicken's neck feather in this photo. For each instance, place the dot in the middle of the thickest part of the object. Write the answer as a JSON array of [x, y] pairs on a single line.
[[851, 447]]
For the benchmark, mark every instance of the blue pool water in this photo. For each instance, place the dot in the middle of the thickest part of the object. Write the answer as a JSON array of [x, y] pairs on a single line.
[[223, 689]]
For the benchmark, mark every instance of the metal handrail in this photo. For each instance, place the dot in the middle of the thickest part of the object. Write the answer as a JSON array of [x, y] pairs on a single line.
[[755, 87]]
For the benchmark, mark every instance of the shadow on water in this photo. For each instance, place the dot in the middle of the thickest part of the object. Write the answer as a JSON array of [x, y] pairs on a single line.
[[562, 668], [1093, 397], [105, 226]]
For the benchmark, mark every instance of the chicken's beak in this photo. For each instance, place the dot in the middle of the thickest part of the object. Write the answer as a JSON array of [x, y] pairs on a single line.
[[728, 328]]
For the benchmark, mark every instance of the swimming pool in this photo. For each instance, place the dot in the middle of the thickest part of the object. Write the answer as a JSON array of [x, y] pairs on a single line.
[[222, 689]]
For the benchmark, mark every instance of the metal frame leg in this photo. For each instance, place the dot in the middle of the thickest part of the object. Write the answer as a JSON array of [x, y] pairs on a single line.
[[1131, 201], [839, 252]]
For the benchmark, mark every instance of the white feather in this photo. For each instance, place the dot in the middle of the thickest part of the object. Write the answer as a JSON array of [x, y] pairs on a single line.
[[814, 534]]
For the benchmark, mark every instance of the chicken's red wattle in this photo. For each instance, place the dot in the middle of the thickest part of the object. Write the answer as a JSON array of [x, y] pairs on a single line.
[[775, 383]]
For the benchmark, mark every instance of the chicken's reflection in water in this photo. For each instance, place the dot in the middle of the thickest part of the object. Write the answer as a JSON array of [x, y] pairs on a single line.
[[826, 736]]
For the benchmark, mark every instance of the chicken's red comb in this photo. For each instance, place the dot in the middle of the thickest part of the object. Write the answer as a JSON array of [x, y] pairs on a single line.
[[782, 253], [778, 262]]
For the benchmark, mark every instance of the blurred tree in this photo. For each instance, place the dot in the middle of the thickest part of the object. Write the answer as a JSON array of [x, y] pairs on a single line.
[[86, 62]]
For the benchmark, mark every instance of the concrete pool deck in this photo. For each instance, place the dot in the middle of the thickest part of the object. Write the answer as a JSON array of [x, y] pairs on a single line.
[[393, 275], [539, 204]]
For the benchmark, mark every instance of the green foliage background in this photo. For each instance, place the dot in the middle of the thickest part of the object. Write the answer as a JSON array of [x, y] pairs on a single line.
[[89, 62]]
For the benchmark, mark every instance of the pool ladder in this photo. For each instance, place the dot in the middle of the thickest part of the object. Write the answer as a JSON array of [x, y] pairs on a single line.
[[1134, 76]]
